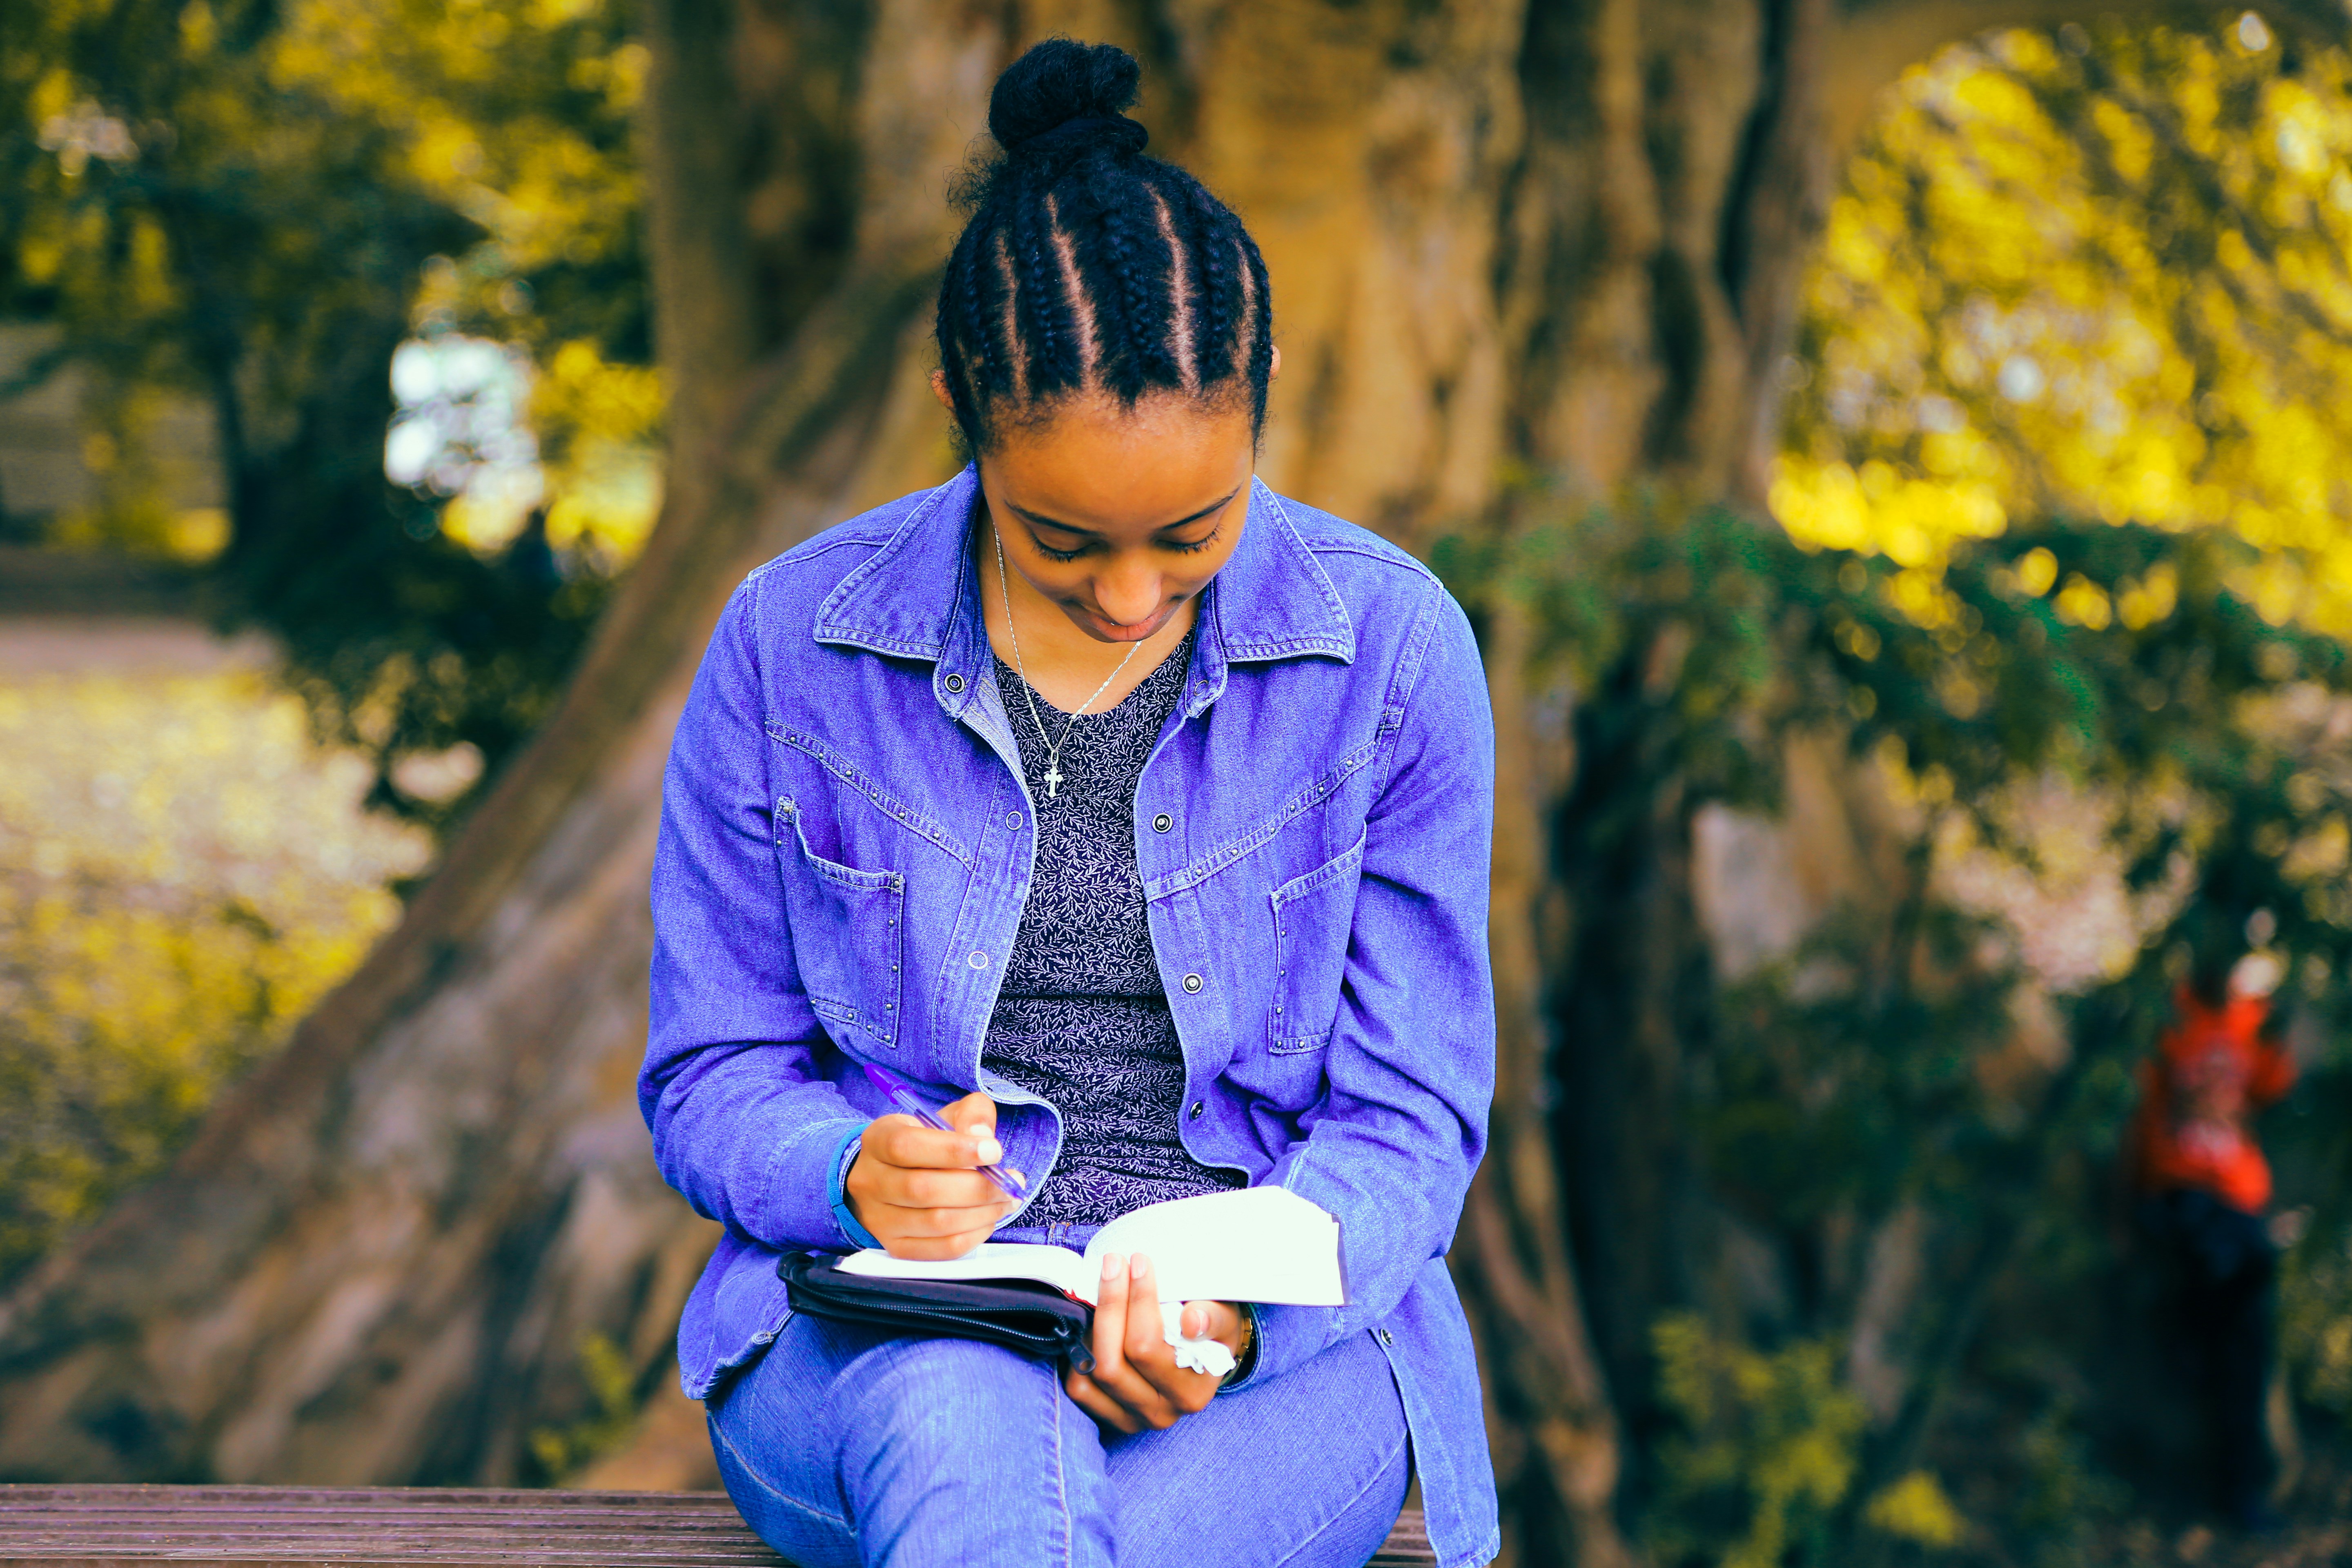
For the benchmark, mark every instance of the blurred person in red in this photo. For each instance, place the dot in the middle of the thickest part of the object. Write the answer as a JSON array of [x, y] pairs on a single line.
[[2203, 1186]]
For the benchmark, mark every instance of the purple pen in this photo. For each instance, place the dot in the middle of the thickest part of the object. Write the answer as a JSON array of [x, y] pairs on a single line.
[[904, 1097]]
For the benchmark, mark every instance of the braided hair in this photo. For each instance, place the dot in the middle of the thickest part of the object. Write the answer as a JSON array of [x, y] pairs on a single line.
[[1085, 267]]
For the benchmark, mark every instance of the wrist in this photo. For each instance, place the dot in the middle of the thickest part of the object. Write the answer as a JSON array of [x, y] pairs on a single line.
[[843, 1203], [1246, 1349]]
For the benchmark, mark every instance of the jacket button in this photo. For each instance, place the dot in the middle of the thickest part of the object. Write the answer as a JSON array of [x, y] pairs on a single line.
[[1013, 820], [977, 960], [1193, 984], [1198, 1107], [1162, 823], [1386, 1338], [953, 683]]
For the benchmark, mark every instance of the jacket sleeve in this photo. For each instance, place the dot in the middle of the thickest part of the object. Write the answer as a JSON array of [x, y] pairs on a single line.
[[743, 1125], [1411, 1058]]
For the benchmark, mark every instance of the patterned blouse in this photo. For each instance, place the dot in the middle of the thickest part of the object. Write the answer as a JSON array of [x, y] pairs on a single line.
[[1082, 1018]]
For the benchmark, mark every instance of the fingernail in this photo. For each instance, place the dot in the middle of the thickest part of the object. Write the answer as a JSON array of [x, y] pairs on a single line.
[[1112, 1262], [1136, 1265], [991, 1150]]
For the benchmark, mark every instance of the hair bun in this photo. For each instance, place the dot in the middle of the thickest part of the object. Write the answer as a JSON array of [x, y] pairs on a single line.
[[1065, 97]]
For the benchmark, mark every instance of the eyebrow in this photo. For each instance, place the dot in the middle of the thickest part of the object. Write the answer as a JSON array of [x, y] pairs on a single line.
[[1025, 515]]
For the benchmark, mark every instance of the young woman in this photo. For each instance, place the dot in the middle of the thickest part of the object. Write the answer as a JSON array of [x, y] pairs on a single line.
[[1144, 815]]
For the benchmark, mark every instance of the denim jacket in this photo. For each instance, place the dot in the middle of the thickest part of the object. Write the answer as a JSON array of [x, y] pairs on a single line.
[[846, 847]]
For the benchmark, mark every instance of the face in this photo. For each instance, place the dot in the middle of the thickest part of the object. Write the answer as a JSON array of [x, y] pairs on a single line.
[[1117, 516]]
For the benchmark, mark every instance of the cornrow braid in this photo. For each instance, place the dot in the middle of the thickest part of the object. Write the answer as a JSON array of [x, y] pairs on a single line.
[[1142, 269], [1184, 313], [964, 317], [1087, 267], [1045, 329], [1218, 286], [1260, 372]]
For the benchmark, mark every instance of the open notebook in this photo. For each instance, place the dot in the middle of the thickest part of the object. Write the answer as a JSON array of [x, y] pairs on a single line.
[[1258, 1244]]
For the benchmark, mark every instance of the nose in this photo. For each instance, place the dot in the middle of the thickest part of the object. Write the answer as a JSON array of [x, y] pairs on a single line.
[[1127, 594]]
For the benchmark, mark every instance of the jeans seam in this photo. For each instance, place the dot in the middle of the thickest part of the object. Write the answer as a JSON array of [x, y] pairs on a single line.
[[769, 1487], [1061, 1465], [1370, 1482]]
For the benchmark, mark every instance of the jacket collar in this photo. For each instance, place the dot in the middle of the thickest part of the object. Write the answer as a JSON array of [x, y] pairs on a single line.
[[917, 598]]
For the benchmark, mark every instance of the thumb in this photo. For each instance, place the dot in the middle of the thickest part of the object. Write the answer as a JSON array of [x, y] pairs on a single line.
[[976, 1114]]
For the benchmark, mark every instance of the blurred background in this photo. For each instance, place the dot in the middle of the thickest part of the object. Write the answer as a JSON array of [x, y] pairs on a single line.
[[1898, 459]]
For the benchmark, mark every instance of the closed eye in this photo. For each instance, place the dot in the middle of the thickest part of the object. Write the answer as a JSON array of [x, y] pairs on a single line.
[[1040, 526]]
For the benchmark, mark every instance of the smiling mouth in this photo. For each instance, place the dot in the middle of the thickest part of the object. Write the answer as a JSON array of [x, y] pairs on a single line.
[[1104, 629]]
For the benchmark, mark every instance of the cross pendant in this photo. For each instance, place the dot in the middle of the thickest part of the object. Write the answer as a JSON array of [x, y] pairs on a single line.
[[1053, 780]]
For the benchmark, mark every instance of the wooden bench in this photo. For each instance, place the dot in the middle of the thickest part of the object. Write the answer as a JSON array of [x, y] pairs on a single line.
[[271, 1527]]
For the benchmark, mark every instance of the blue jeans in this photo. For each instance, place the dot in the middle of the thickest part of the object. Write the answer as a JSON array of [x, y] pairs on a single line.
[[844, 1446]]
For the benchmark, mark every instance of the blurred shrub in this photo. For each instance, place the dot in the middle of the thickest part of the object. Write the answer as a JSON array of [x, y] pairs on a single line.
[[1768, 1447], [613, 1384], [2316, 1321], [182, 874], [1915, 1509]]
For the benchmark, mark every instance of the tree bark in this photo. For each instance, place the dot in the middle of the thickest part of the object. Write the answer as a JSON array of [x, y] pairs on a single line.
[[1556, 239]]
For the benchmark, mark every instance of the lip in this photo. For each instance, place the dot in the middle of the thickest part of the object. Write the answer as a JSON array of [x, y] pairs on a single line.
[[1104, 630]]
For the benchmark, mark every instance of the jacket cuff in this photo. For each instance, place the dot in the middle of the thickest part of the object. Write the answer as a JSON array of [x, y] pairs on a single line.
[[837, 1192], [1286, 1337]]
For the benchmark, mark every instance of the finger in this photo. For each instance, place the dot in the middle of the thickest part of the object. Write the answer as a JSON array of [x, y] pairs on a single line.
[[975, 1112], [904, 1141], [1155, 1387], [938, 1224], [1138, 1401], [975, 1116], [932, 1248], [1110, 1318], [1218, 1320], [1147, 1341], [926, 1189], [1089, 1397]]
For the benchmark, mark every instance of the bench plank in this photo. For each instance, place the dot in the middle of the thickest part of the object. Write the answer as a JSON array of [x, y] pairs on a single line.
[[330, 1527]]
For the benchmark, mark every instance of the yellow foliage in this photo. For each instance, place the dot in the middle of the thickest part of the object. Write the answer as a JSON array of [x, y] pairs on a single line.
[[2104, 278], [550, 188], [2083, 603], [1778, 1428], [598, 424], [182, 874], [1915, 1509]]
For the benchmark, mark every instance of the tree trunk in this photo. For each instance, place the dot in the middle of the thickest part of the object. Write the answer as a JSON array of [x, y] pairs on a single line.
[[1559, 239]]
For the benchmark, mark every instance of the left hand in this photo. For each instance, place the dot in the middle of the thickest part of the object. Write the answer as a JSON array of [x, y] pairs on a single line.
[[1136, 1382]]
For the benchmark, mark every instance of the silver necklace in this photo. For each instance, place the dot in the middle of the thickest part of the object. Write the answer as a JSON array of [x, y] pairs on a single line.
[[1053, 747]]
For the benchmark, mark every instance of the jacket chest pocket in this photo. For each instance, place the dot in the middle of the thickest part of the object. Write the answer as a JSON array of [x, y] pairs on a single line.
[[1313, 916], [847, 928]]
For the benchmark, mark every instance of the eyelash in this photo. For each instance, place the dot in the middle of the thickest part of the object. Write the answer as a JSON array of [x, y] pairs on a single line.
[[1050, 554]]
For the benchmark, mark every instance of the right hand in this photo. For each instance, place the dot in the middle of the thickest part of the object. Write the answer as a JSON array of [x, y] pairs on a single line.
[[919, 1190]]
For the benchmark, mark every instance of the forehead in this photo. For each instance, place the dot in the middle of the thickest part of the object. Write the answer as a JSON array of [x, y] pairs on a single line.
[[1096, 466]]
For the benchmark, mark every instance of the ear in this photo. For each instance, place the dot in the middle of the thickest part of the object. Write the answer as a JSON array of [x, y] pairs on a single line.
[[947, 399], [1273, 369]]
